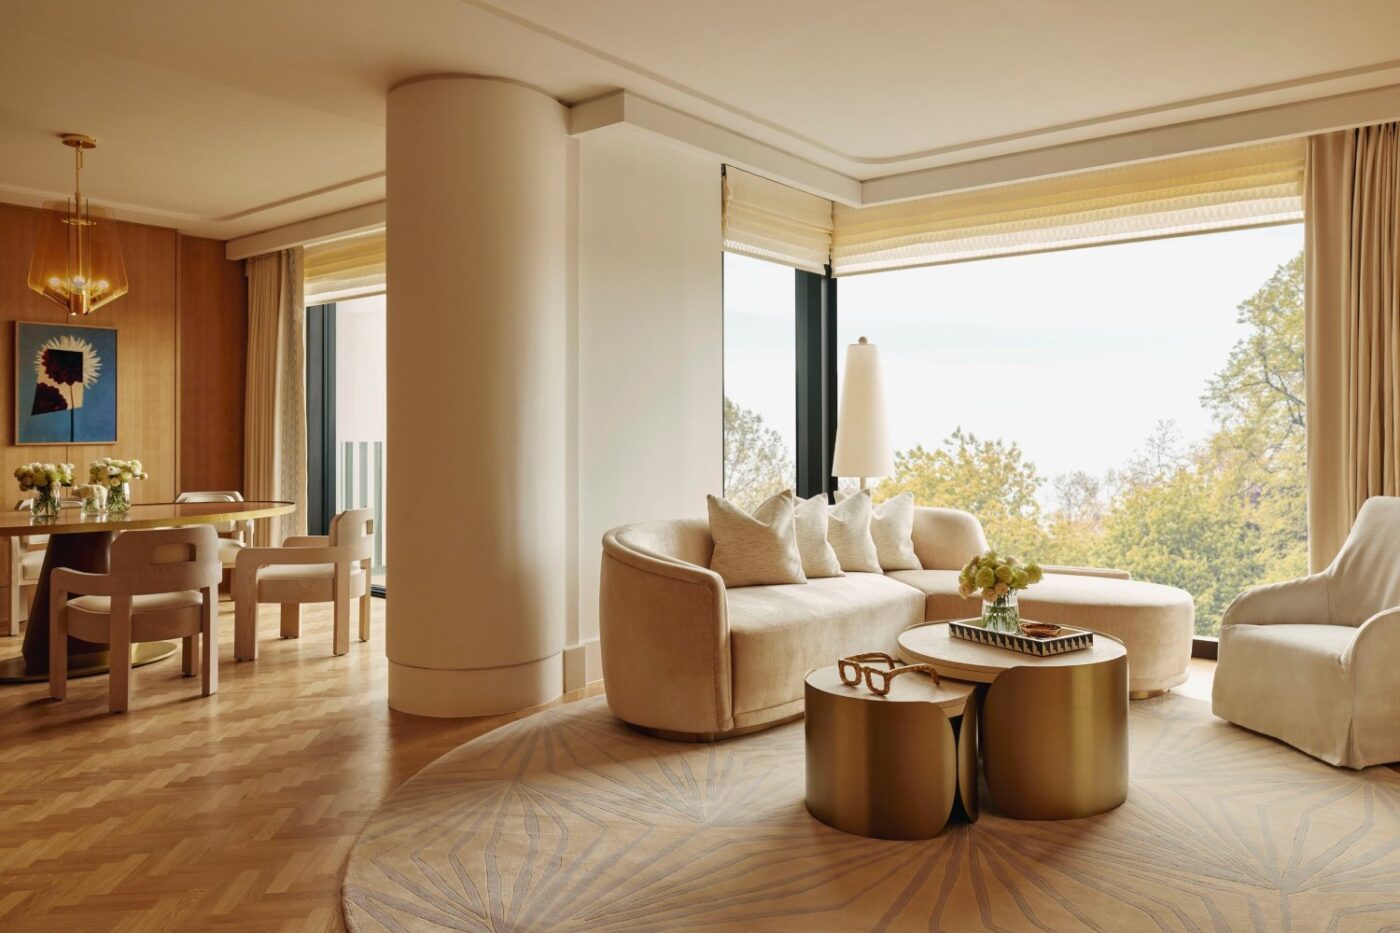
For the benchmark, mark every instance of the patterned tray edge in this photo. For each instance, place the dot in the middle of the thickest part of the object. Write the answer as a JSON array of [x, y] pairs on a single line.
[[1077, 640]]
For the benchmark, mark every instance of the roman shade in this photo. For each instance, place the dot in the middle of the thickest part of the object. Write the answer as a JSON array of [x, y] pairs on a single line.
[[344, 268], [770, 221], [1243, 187]]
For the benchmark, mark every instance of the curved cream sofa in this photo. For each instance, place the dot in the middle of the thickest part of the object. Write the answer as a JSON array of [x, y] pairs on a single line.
[[683, 656]]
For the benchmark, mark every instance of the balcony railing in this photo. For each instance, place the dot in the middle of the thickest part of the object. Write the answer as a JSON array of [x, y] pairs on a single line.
[[359, 466]]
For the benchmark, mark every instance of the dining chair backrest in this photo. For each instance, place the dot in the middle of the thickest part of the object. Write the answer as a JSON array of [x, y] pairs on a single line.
[[165, 560], [354, 531], [215, 495]]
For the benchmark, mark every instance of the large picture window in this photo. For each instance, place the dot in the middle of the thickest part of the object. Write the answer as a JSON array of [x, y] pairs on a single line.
[[760, 379], [1138, 406]]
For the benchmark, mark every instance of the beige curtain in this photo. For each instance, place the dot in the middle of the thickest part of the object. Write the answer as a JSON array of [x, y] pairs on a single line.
[[274, 460], [1353, 328]]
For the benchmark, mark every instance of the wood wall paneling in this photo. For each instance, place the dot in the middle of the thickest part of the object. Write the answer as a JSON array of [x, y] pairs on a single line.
[[213, 302], [181, 345]]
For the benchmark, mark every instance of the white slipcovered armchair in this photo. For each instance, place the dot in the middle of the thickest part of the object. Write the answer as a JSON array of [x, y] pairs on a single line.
[[1316, 661]]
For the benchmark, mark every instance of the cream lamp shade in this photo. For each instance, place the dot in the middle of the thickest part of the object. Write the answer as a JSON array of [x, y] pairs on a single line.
[[862, 431]]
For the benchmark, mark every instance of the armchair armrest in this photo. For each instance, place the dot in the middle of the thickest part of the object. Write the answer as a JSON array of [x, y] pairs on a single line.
[[1377, 643], [664, 634], [80, 583], [251, 559], [1109, 572], [1299, 601], [307, 541]]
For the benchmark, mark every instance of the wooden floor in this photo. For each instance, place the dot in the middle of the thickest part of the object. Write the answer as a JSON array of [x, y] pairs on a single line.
[[229, 813], [234, 812]]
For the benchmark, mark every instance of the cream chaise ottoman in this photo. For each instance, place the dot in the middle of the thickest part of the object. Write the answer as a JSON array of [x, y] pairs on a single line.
[[1155, 623]]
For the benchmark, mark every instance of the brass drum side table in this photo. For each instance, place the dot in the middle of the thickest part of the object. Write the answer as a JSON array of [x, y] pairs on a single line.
[[1054, 729], [891, 766]]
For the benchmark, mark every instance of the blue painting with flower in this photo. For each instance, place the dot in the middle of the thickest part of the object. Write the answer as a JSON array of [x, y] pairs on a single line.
[[65, 384]]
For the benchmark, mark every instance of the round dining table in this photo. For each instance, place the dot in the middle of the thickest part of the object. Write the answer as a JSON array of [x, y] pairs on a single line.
[[82, 542]]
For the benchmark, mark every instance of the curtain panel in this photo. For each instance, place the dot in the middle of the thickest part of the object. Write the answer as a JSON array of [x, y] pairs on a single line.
[[274, 465], [1229, 189], [770, 221], [348, 267], [1352, 253]]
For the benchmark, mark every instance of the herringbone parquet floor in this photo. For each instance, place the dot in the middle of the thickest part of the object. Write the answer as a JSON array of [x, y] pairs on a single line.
[[234, 812]]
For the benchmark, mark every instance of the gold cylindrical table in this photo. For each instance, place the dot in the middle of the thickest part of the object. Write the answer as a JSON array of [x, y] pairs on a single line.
[[892, 766], [1054, 729]]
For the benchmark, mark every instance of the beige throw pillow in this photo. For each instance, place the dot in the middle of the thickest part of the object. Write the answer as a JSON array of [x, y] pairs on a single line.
[[818, 559], [892, 527], [757, 549], [849, 534]]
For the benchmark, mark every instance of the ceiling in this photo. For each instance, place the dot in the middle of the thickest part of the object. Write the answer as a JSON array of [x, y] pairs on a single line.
[[225, 117]]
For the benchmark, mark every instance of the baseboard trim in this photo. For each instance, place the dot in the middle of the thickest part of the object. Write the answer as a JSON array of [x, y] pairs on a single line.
[[583, 665]]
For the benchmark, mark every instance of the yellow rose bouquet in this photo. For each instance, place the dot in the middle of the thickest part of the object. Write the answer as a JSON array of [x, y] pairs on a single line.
[[997, 580], [46, 482]]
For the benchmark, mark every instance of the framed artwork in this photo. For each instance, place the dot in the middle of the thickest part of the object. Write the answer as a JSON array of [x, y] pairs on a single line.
[[65, 384]]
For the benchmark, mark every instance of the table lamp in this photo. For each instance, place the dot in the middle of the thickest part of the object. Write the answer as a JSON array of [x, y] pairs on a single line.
[[862, 433]]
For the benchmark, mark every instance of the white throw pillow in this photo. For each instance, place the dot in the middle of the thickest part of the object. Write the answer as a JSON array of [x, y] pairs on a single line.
[[758, 549], [818, 559], [892, 527], [849, 534]]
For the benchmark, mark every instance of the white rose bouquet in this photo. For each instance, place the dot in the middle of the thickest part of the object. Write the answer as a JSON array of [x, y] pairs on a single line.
[[116, 475], [93, 496]]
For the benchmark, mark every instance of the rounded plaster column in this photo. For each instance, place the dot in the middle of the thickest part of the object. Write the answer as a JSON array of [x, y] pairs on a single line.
[[477, 174]]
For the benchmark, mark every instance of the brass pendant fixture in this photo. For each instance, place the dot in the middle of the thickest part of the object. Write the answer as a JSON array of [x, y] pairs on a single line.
[[77, 259]]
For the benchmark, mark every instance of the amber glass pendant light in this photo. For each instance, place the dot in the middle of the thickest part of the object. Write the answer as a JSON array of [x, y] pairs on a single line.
[[77, 259]]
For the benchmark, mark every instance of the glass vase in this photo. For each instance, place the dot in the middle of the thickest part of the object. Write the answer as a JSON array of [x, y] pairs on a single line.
[[46, 501], [1001, 614], [95, 505], [119, 498]]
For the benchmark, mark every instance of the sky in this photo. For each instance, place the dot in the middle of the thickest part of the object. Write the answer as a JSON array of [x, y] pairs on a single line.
[[1074, 355]]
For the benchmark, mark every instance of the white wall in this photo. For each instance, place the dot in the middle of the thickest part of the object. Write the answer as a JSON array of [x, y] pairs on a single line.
[[650, 346]]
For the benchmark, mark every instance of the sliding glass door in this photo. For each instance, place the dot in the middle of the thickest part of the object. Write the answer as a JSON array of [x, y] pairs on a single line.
[[346, 392]]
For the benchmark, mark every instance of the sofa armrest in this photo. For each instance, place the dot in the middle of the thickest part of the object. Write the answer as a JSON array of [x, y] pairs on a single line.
[[945, 539], [1300, 601], [664, 635], [1110, 572]]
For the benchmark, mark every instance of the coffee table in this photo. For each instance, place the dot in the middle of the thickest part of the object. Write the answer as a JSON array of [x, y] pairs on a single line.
[[1054, 729], [891, 766]]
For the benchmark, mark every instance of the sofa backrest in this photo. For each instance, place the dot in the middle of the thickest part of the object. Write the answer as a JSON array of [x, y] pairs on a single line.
[[944, 539], [683, 539]]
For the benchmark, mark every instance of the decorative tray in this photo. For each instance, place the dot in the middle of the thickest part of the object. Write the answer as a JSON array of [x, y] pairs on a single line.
[[1069, 639]]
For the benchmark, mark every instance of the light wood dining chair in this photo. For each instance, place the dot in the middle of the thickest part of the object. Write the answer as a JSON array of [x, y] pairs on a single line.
[[26, 562], [233, 536], [163, 583], [330, 568]]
